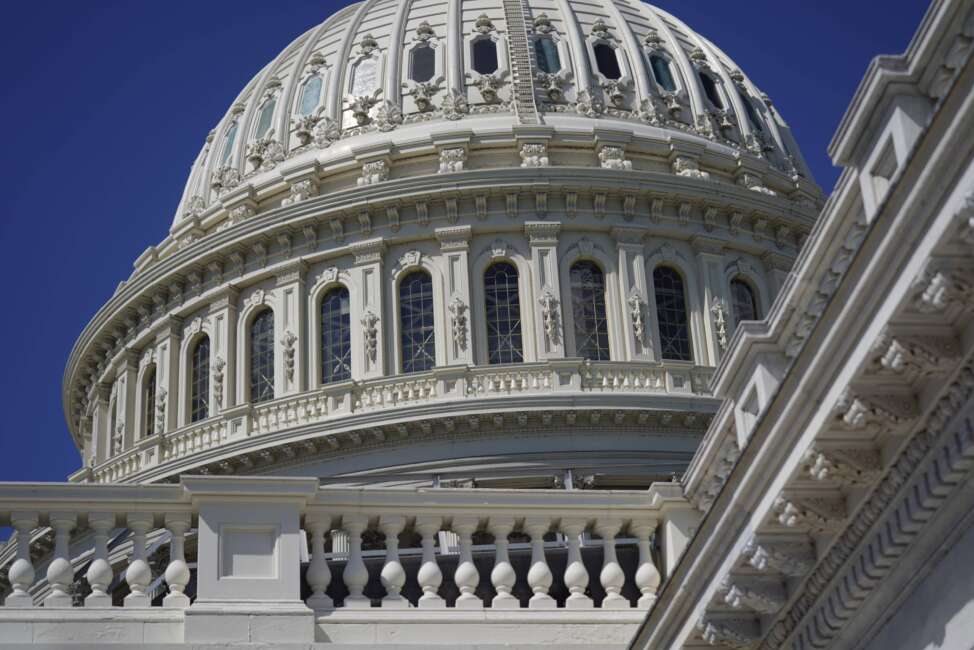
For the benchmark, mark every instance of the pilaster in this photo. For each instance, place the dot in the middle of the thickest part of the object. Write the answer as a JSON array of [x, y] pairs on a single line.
[[455, 245], [546, 288], [367, 316], [223, 343], [289, 328], [126, 391], [168, 342], [101, 394], [634, 293], [715, 303]]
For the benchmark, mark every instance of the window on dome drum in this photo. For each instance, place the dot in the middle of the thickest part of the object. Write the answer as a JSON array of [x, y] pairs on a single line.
[[262, 357], [364, 77], [423, 64], [710, 88], [503, 312], [546, 55], [310, 95], [752, 115], [264, 121], [149, 402], [336, 333], [661, 72], [743, 302], [588, 311], [671, 313], [199, 381], [228, 143], [485, 56], [417, 336], [606, 60]]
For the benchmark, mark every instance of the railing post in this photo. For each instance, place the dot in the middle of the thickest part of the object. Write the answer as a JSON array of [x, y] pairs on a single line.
[[60, 573], [138, 575], [318, 575], [539, 575], [21, 572], [466, 575], [503, 576], [612, 576], [177, 572], [356, 574], [100, 573], [393, 574], [429, 577], [647, 575], [576, 575]]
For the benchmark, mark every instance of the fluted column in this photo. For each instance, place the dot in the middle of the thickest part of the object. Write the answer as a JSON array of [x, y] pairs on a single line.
[[21, 574], [429, 577], [454, 246], [503, 576], [177, 572], [612, 576], [60, 573], [100, 573], [466, 576], [576, 575], [546, 288], [356, 574], [138, 575], [393, 574], [647, 575], [539, 575], [318, 575], [370, 357]]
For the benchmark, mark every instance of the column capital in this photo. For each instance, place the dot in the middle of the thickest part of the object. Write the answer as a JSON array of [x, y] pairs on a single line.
[[628, 237], [454, 238], [292, 274], [542, 233], [369, 251]]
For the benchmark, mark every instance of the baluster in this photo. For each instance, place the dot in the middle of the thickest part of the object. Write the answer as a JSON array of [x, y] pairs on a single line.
[[647, 575], [576, 575], [356, 574], [393, 574], [612, 576], [21, 572], [539, 576], [318, 575], [503, 576], [60, 573], [429, 577], [466, 576], [177, 571], [100, 573], [138, 575]]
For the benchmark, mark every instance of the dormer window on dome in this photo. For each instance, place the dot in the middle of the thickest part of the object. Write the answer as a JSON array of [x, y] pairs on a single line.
[[546, 55], [710, 89], [662, 73], [310, 95], [228, 143], [485, 56], [422, 65], [607, 61]]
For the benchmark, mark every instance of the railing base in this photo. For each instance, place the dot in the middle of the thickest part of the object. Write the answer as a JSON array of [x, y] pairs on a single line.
[[249, 623]]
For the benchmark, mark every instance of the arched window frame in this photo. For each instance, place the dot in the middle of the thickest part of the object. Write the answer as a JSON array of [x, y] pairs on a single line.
[[674, 68], [592, 251], [755, 296], [145, 414], [503, 68], [622, 60], [688, 308], [255, 302], [197, 329], [265, 312], [742, 269], [328, 279], [502, 250], [418, 261], [678, 258], [513, 349]]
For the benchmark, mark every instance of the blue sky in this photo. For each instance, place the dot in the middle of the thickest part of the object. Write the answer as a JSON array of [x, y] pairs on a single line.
[[106, 103]]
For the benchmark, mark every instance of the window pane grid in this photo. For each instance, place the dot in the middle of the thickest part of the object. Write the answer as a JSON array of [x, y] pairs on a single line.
[[743, 304], [262, 357], [671, 313], [199, 406], [336, 337], [417, 335], [588, 311], [546, 55], [503, 313]]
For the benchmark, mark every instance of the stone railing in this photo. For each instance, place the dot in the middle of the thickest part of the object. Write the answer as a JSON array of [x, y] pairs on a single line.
[[421, 550], [441, 385]]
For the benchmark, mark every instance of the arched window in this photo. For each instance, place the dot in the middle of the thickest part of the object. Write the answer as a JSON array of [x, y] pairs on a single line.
[[546, 55], [423, 64], [710, 88], [588, 310], [228, 143], [364, 77], [199, 381], [264, 121], [752, 115], [662, 73], [503, 311], [310, 95], [485, 56], [336, 333], [605, 59], [417, 336], [149, 401], [262, 357], [743, 302], [671, 313]]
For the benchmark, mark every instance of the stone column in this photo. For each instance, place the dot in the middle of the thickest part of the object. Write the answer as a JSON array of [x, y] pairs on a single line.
[[138, 575], [367, 316], [454, 244], [466, 576], [576, 575], [100, 573], [356, 574], [318, 575], [634, 292], [60, 574], [502, 576], [611, 576], [223, 345], [127, 380], [393, 574], [429, 577], [539, 575], [546, 289], [647, 575], [100, 422], [289, 328], [167, 375], [21, 572], [713, 336], [177, 571]]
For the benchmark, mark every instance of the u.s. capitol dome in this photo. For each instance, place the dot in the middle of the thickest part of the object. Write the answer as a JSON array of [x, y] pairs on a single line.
[[487, 241]]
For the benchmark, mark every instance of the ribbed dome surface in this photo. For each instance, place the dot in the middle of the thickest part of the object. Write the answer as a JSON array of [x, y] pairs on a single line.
[[432, 65]]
